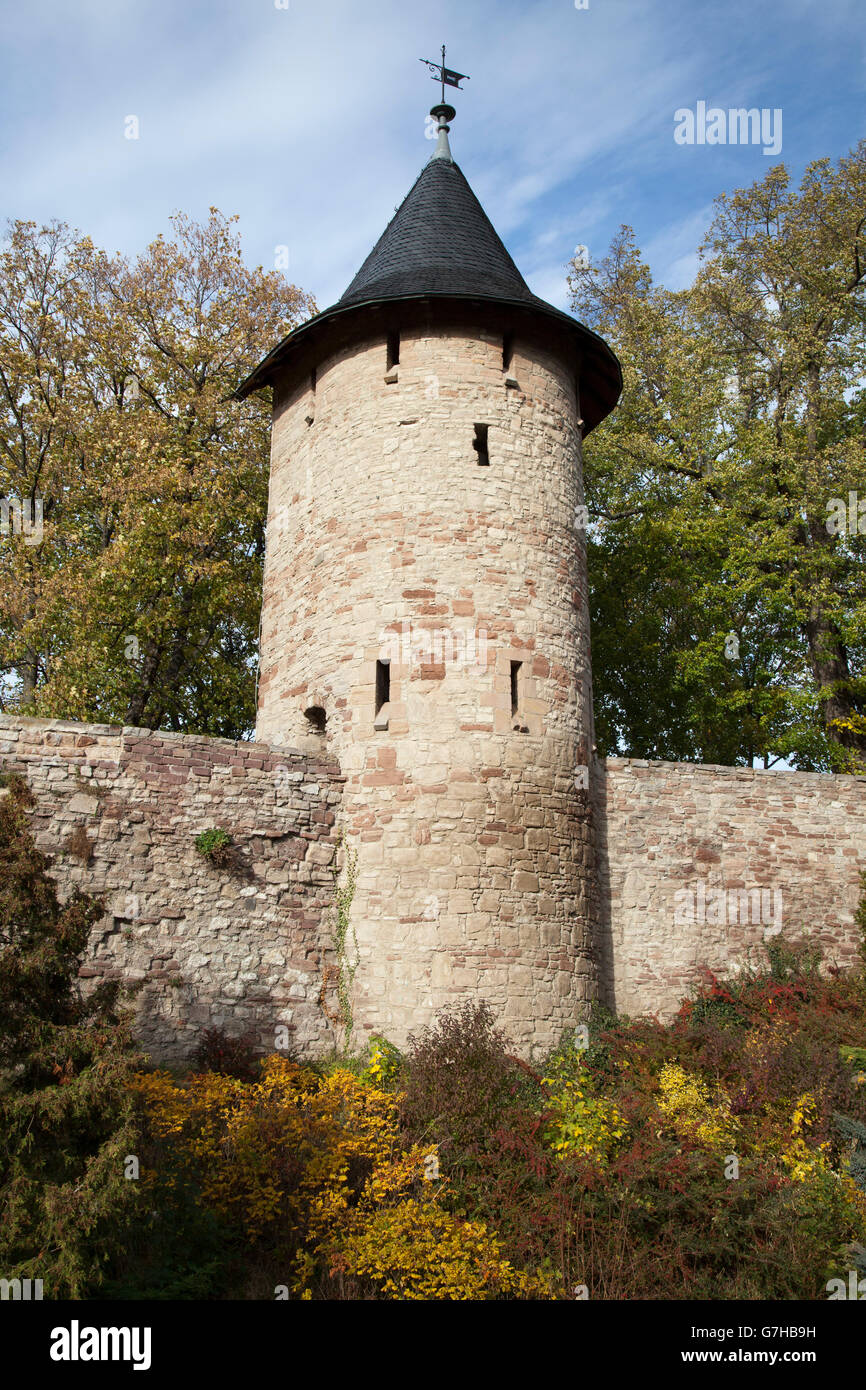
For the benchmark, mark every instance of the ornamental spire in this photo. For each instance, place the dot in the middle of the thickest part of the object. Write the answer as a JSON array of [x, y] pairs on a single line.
[[443, 112]]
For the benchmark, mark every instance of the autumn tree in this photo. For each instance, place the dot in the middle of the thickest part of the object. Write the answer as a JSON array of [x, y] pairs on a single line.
[[137, 601], [729, 601]]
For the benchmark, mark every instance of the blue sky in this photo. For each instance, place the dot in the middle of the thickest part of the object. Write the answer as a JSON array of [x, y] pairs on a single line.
[[308, 121]]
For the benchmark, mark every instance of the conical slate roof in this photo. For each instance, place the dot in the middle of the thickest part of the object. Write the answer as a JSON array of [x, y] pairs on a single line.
[[440, 246], [439, 241]]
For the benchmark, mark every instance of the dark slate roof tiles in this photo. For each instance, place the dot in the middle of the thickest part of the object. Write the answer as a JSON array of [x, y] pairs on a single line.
[[439, 241]]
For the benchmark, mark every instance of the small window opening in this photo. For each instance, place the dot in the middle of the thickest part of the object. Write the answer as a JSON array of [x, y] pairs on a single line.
[[479, 444], [311, 408], [507, 351], [515, 681], [581, 424], [383, 684], [393, 351], [316, 718]]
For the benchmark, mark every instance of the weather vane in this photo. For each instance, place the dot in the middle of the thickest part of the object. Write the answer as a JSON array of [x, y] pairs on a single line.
[[444, 75]]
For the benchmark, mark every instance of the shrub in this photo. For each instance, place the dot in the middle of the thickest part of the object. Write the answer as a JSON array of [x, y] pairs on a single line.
[[227, 1054], [308, 1175], [460, 1081], [686, 1103], [66, 1114], [215, 845], [385, 1063], [581, 1122]]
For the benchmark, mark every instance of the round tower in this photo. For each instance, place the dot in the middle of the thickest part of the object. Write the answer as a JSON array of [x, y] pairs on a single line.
[[425, 612]]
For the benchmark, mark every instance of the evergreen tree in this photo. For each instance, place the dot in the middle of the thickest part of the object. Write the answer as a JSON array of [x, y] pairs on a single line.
[[66, 1118]]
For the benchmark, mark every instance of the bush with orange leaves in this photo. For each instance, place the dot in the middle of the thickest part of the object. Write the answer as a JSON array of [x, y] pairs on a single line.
[[311, 1171]]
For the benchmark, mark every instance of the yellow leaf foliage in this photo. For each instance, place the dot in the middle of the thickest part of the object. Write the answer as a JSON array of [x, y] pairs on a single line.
[[319, 1159], [685, 1103]]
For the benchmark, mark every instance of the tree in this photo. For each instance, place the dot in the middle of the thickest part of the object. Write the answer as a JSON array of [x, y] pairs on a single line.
[[66, 1116], [713, 488], [140, 601]]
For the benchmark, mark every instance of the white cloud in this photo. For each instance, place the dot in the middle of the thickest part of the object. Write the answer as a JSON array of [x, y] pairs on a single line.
[[309, 122]]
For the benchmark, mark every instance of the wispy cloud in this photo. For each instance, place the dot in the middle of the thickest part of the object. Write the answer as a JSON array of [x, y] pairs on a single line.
[[309, 121]]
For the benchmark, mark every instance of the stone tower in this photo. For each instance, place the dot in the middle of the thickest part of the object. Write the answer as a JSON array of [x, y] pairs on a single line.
[[425, 611]]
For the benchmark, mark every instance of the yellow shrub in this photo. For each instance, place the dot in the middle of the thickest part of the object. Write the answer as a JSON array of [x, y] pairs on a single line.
[[318, 1161], [582, 1124], [801, 1160], [685, 1102], [415, 1250]]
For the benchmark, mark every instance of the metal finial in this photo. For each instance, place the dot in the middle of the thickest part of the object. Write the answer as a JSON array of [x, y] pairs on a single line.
[[443, 112], [443, 115]]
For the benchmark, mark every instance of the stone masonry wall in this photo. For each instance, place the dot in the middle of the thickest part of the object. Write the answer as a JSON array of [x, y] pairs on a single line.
[[391, 539], [696, 867], [243, 947], [700, 866]]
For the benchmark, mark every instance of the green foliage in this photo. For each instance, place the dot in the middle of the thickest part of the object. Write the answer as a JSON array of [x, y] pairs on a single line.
[[140, 602], [710, 487], [215, 845], [66, 1114], [607, 1167], [788, 959], [385, 1063], [854, 1132], [346, 957]]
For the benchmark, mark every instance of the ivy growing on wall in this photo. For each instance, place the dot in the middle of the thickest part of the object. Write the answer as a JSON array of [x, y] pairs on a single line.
[[346, 954]]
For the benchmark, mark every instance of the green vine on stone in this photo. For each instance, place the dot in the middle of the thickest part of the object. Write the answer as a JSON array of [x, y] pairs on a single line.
[[340, 925]]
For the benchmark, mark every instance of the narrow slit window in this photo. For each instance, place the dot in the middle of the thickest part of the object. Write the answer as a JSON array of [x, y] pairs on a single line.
[[479, 444], [383, 684], [393, 351], [515, 685], [507, 351], [313, 381]]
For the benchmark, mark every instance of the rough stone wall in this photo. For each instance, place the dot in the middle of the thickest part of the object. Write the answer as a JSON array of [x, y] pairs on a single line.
[[242, 948], [696, 865], [699, 866], [388, 539]]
